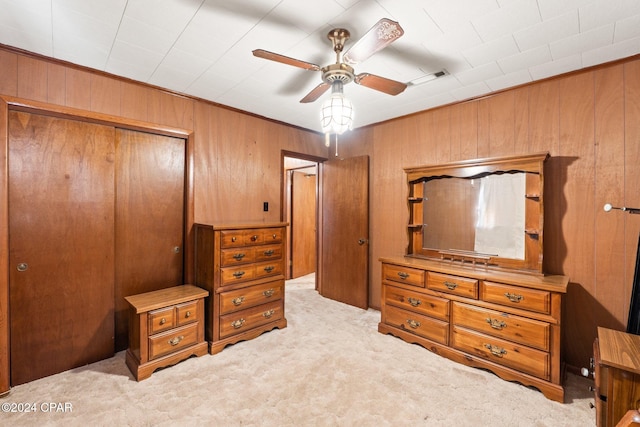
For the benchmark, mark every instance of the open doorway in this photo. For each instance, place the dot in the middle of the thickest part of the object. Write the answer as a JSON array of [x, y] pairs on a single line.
[[300, 210]]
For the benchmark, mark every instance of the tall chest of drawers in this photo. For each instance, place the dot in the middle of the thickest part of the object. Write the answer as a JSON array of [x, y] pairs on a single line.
[[508, 323], [242, 266]]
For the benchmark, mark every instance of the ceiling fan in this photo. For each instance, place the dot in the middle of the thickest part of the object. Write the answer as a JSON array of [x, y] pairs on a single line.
[[382, 34]]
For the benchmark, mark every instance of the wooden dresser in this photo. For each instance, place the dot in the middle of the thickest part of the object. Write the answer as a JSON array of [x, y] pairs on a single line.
[[165, 327], [508, 323], [242, 266], [616, 357]]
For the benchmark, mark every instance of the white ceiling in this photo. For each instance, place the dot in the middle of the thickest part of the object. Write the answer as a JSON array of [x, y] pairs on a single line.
[[203, 47]]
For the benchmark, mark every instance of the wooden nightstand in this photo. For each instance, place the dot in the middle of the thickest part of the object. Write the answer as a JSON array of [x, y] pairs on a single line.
[[617, 375], [165, 327]]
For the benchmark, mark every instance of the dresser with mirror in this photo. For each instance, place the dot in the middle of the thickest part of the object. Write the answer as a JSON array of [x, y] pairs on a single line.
[[471, 286]]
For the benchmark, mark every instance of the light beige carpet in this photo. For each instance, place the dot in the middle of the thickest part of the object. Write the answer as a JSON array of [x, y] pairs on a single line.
[[329, 367]]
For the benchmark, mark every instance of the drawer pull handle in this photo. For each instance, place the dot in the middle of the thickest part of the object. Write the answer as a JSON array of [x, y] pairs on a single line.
[[496, 323], [238, 256], [450, 285], [414, 324], [513, 297], [268, 293], [176, 340], [268, 253], [233, 239], [495, 350], [187, 314], [269, 313], [237, 324], [414, 302], [237, 301], [275, 236], [163, 321], [403, 275], [238, 274], [254, 237], [269, 268]]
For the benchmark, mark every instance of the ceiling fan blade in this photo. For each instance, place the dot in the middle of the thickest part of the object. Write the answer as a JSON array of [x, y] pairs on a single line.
[[378, 37], [316, 92], [391, 87], [260, 53]]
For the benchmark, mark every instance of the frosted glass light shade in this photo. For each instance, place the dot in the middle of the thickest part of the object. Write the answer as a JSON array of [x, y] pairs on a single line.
[[336, 114]]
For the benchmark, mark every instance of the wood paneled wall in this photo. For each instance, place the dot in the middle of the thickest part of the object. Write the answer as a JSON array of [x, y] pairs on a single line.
[[237, 156], [589, 122]]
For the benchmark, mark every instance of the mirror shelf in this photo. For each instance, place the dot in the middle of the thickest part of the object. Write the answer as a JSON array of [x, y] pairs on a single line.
[[487, 212]]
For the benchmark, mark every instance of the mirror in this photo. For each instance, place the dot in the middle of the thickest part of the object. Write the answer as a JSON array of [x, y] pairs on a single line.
[[486, 211], [484, 214]]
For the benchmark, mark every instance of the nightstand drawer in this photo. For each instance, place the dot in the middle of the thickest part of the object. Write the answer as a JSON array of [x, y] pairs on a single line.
[[173, 340], [161, 320], [187, 313]]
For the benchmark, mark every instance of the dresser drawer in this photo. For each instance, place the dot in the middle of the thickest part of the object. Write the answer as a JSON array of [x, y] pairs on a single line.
[[268, 252], [187, 313], [408, 275], [515, 296], [230, 275], [426, 327], [241, 321], [237, 256], [161, 320], [272, 235], [267, 269], [455, 285], [232, 238], [525, 331], [172, 340], [419, 303], [506, 353], [250, 297]]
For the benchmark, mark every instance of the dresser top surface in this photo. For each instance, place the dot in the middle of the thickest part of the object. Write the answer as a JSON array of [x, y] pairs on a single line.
[[619, 349], [164, 297], [554, 283], [243, 225]]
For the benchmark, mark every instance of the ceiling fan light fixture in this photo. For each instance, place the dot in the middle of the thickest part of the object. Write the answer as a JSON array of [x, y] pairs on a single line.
[[336, 112]]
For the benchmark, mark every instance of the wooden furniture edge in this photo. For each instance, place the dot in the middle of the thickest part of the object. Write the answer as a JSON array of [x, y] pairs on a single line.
[[152, 300], [551, 390], [217, 346], [554, 283], [144, 371]]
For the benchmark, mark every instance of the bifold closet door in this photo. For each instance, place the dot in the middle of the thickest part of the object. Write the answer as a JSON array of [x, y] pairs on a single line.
[[150, 182], [61, 240]]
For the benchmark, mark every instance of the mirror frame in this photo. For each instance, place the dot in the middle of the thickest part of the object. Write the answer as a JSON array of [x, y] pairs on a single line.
[[531, 164]]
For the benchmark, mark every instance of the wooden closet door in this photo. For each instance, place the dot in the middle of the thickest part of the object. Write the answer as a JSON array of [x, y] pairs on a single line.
[[150, 181], [61, 233]]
